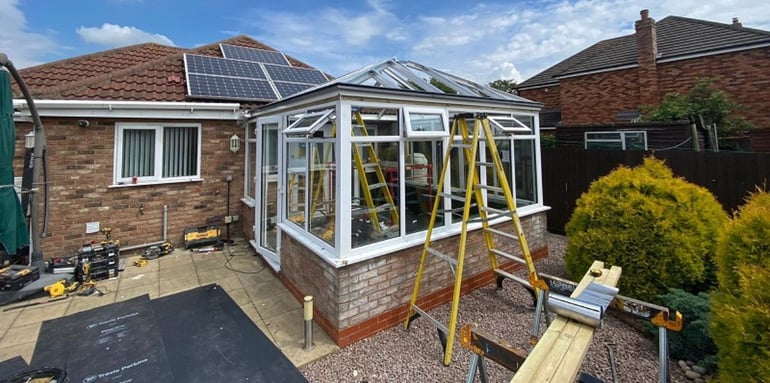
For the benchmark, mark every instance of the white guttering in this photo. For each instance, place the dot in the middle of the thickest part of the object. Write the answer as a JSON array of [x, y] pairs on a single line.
[[132, 109]]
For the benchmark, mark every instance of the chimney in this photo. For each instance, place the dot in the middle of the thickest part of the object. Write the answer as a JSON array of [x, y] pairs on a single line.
[[647, 51], [737, 23]]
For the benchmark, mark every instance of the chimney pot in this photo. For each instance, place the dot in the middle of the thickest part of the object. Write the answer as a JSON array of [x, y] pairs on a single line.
[[645, 14], [736, 22]]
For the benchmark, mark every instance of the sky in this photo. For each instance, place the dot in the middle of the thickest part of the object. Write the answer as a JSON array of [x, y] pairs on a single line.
[[480, 41]]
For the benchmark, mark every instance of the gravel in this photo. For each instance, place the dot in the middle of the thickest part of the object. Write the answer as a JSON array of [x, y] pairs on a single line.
[[396, 355]]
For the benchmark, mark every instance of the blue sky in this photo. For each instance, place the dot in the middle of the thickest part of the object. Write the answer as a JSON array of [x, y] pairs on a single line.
[[481, 41]]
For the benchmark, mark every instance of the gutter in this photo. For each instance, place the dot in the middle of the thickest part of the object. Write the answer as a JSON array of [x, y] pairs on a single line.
[[132, 109]]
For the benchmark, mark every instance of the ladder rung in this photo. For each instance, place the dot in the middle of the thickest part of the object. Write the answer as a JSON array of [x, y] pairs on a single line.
[[496, 211], [496, 189], [442, 256], [502, 234], [438, 324], [377, 185], [488, 164], [465, 146], [509, 256], [384, 207], [452, 196], [510, 276]]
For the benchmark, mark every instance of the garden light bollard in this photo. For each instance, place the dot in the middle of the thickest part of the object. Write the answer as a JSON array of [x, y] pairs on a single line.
[[308, 311]]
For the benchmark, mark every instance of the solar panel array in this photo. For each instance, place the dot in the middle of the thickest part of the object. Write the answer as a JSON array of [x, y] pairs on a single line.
[[253, 54], [247, 74]]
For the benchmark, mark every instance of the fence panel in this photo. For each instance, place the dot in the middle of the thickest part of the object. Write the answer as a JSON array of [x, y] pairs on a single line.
[[568, 173]]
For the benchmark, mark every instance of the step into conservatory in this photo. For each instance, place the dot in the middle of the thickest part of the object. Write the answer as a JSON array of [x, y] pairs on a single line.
[[347, 175]]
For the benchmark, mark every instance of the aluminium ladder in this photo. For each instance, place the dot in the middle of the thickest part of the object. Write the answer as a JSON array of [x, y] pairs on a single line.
[[473, 197], [372, 162]]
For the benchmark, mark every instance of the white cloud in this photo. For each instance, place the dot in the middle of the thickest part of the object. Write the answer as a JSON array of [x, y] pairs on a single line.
[[23, 47], [111, 35]]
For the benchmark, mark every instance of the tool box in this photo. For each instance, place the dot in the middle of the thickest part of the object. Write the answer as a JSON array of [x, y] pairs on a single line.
[[14, 277], [102, 260], [201, 236]]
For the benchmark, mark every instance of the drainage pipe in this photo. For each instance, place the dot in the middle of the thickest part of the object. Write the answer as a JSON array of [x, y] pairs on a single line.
[[165, 234]]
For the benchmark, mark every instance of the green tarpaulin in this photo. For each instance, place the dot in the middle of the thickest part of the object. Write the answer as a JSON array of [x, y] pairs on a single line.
[[13, 227]]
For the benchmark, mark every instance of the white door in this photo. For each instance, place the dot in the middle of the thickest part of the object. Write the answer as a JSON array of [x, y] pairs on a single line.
[[266, 209]]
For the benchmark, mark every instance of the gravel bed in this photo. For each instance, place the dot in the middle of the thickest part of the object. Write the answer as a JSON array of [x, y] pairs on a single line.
[[396, 355]]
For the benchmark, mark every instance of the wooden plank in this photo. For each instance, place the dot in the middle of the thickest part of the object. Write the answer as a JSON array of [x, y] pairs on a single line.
[[558, 355]]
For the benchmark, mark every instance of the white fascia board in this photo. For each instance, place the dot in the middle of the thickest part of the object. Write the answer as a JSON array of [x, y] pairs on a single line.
[[132, 109]]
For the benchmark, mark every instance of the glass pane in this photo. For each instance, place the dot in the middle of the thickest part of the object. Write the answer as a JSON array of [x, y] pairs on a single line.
[[268, 185], [374, 202], [526, 180], [426, 122], [604, 145], [308, 123], [635, 141], [496, 198], [422, 170], [375, 121], [180, 151], [252, 148], [296, 176], [603, 136], [509, 125], [460, 180], [138, 153], [322, 181]]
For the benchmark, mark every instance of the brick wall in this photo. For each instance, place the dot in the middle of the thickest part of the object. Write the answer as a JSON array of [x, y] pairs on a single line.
[[354, 302], [549, 96], [597, 98], [80, 172]]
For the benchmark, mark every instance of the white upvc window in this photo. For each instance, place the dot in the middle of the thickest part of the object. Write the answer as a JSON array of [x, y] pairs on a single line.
[[308, 123], [618, 140], [155, 153], [509, 125], [426, 122]]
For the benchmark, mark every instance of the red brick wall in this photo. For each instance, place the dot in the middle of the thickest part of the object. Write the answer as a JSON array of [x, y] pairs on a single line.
[[744, 76], [354, 302], [597, 98], [549, 96], [80, 171]]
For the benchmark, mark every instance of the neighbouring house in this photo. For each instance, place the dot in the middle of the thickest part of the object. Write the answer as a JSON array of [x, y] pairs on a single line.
[[302, 195], [608, 82]]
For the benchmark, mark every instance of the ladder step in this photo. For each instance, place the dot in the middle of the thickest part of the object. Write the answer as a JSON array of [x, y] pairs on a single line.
[[509, 256], [512, 277], [370, 165], [377, 185], [442, 256], [487, 164], [438, 324], [452, 196], [495, 189], [465, 146], [502, 234], [384, 207], [497, 211]]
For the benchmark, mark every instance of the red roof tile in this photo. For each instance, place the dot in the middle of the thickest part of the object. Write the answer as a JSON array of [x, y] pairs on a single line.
[[143, 72]]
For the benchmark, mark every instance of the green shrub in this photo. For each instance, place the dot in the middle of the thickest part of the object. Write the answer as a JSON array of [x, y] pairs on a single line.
[[659, 228], [694, 341], [740, 309]]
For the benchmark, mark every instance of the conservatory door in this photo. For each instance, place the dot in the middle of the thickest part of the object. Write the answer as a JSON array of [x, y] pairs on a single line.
[[267, 190]]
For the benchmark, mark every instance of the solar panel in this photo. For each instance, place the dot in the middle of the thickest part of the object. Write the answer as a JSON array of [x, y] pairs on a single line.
[[231, 88], [287, 89], [253, 54], [223, 67], [294, 74]]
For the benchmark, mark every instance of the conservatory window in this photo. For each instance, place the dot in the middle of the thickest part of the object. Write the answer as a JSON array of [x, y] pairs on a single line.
[[425, 122], [620, 140], [308, 123], [509, 125]]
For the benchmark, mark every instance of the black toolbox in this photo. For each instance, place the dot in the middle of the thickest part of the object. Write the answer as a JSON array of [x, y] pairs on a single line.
[[103, 261], [14, 277]]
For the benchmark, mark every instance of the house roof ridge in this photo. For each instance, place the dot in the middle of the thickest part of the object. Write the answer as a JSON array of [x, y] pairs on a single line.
[[718, 24]]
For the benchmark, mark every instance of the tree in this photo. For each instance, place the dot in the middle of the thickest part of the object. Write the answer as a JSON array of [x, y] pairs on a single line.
[[508, 86], [704, 105]]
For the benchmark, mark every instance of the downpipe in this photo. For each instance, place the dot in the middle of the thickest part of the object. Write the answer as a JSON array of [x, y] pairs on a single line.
[[165, 234]]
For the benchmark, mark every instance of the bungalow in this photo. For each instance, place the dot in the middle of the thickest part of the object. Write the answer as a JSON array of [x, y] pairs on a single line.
[[158, 139]]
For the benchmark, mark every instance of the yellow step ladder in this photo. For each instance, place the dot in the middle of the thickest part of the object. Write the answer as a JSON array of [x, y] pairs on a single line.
[[365, 159], [473, 197]]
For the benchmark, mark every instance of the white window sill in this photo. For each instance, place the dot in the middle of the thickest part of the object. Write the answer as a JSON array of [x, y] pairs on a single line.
[[153, 183], [248, 201]]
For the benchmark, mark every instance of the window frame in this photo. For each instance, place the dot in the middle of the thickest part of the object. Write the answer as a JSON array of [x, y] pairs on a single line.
[[520, 129], [320, 119], [621, 138], [157, 178], [409, 129]]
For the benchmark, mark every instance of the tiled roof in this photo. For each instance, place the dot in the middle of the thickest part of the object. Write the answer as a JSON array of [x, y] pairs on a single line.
[[143, 72], [677, 37]]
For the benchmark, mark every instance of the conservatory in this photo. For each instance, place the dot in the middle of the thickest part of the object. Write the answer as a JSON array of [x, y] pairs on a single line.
[[347, 175]]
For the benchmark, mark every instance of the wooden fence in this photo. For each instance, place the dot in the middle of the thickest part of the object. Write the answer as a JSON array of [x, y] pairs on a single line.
[[568, 172]]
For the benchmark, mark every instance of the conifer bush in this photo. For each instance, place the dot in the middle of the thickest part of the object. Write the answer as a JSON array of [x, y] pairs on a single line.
[[659, 228], [740, 309]]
